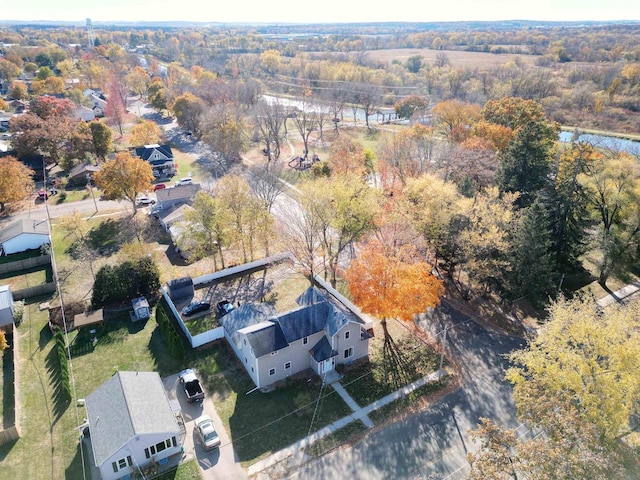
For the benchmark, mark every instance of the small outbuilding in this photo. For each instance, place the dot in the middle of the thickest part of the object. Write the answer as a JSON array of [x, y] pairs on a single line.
[[141, 310], [23, 235], [6, 307], [181, 288]]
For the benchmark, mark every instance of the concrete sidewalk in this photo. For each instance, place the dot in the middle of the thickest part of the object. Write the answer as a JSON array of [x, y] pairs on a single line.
[[618, 295], [296, 450]]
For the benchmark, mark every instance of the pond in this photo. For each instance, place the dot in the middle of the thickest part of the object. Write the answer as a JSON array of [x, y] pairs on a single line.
[[601, 141]]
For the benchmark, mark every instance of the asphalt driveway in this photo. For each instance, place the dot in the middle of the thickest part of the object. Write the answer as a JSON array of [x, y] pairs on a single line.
[[218, 464]]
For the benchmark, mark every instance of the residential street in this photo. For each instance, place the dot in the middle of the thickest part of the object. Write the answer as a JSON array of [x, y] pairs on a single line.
[[433, 443]]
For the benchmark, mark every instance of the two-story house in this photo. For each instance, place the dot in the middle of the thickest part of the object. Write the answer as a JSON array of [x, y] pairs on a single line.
[[160, 157], [319, 335]]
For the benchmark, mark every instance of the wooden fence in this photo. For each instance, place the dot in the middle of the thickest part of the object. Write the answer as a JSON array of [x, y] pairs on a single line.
[[25, 264], [34, 291]]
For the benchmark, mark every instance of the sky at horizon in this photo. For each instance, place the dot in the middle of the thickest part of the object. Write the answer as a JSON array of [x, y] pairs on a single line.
[[326, 11]]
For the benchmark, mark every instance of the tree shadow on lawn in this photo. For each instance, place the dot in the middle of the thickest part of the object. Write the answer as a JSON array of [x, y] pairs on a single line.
[[8, 391], [60, 399]]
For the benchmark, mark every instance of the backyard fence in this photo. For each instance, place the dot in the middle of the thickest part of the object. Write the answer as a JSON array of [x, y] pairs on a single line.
[[25, 264], [34, 291]]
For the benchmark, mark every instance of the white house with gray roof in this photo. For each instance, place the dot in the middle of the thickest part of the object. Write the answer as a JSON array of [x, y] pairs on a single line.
[[23, 235], [131, 424], [320, 334]]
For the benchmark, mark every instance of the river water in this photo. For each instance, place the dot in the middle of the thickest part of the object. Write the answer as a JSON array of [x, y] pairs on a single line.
[[601, 141]]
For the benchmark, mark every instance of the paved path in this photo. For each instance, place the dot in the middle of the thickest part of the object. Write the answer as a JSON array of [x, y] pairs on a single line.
[[619, 295], [295, 453]]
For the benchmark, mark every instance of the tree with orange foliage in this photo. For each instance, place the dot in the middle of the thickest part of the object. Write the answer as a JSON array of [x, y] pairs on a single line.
[[390, 283]]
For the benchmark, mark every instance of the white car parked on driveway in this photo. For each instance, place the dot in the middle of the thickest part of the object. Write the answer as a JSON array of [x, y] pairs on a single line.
[[184, 181]]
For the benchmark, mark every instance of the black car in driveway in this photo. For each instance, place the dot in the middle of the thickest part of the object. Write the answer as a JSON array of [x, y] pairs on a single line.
[[195, 307]]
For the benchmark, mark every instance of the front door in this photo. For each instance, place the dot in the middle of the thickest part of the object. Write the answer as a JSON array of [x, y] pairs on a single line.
[[328, 365]]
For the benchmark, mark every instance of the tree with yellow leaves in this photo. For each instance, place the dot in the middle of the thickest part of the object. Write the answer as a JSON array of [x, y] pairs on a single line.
[[147, 132], [16, 181], [124, 177]]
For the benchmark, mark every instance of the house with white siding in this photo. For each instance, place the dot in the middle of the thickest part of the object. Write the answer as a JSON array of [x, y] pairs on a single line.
[[23, 235], [320, 334], [131, 424]]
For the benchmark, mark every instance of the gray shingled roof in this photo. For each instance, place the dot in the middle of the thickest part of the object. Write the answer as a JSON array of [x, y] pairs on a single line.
[[321, 351], [305, 321], [339, 316], [148, 150], [246, 315], [38, 227], [126, 405], [267, 340], [181, 192]]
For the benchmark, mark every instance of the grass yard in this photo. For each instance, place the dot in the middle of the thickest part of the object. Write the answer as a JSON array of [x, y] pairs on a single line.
[[202, 324], [379, 377], [28, 278], [263, 423], [186, 471]]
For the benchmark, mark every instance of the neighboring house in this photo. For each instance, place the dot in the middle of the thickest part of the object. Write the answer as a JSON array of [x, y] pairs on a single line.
[[97, 101], [167, 198], [319, 335], [85, 113], [131, 424], [18, 106], [23, 235], [173, 215], [160, 157], [6, 307], [78, 174]]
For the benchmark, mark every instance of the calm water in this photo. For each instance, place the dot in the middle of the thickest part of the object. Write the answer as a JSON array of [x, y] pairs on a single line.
[[611, 143]]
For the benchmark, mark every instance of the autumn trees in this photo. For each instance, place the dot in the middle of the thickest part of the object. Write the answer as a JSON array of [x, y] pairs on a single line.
[[577, 381], [16, 181], [124, 178]]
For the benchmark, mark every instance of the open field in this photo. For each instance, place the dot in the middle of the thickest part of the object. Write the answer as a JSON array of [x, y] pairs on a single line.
[[456, 58]]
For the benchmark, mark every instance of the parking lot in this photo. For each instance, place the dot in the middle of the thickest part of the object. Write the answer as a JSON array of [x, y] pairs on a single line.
[[218, 464]]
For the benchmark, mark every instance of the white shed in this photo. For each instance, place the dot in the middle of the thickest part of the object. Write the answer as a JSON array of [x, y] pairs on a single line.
[[23, 235], [6, 307]]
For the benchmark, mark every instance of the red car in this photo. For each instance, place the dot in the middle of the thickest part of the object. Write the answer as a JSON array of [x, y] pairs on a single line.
[[159, 186]]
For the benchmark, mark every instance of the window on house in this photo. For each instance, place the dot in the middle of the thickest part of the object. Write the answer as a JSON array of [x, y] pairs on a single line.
[[287, 365], [346, 335], [153, 449], [129, 461], [115, 466], [348, 352], [160, 446], [272, 371], [174, 442], [244, 340], [146, 453], [305, 340], [245, 360], [122, 463], [251, 369], [274, 353]]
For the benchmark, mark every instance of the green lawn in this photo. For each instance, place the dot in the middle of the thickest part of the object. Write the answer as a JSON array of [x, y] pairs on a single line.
[[185, 471], [380, 376], [202, 324]]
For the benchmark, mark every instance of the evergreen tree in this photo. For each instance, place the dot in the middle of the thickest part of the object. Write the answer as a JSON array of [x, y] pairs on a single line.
[[526, 162], [531, 260]]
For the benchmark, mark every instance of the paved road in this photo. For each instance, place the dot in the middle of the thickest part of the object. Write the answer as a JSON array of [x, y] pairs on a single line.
[[218, 464], [433, 443]]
